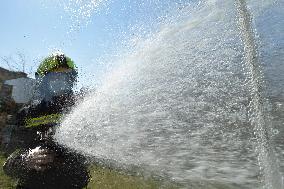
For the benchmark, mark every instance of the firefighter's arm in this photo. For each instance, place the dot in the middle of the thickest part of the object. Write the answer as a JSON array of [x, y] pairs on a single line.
[[39, 159], [21, 163], [15, 165]]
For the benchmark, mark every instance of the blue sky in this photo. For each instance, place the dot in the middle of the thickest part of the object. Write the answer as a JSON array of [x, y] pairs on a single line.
[[37, 27]]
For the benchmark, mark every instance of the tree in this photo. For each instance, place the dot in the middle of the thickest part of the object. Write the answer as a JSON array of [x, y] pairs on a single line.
[[17, 62]]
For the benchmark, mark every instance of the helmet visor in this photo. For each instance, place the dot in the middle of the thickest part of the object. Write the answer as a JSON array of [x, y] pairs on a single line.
[[57, 83]]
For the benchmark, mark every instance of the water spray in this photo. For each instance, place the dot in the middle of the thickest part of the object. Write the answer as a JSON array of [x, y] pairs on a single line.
[[177, 106], [266, 155]]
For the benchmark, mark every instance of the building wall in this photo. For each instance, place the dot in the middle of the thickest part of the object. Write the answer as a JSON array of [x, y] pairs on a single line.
[[5, 90], [23, 89], [8, 107]]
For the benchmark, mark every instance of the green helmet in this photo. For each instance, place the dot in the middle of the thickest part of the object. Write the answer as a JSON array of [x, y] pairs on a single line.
[[56, 76], [54, 63]]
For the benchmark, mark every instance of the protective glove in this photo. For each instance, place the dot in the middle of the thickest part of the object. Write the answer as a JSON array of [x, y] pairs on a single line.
[[39, 159]]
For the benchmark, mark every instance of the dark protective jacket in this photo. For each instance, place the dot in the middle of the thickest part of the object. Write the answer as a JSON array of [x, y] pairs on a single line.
[[36, 124]]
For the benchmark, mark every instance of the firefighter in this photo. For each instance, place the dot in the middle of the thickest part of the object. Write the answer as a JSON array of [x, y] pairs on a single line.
[[39, 162]]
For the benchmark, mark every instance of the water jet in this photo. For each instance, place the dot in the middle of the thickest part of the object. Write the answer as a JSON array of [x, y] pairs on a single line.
[[187, 105]]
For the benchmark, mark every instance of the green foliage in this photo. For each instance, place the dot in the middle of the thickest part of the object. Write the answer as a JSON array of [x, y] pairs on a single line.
[[105, 178]]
